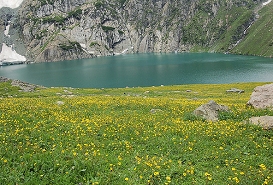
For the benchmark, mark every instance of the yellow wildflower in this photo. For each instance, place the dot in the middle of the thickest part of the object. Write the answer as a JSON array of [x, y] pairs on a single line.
[[156, 173]]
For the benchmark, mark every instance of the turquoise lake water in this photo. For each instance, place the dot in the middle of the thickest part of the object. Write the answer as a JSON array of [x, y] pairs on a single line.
[[145, 70]]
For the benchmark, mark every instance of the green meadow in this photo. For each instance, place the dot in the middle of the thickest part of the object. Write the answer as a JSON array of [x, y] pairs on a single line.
[[131, 136]]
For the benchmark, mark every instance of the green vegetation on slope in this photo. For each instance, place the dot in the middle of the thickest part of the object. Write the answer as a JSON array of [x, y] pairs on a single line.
[[259, 38], [237, 19], [111, 136]]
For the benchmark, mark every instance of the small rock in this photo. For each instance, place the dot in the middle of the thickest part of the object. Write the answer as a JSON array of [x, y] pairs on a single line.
[[234, 90], [68, 92], [266, 122], [60, 103], [153, 111], [210, 110]]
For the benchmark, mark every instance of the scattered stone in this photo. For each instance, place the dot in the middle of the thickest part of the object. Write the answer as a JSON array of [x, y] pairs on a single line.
[[188, 90], [60, 103], [266, 122], [234, 90], [153, 111], [210, 110], [68, 96], [68, 92], [262, 97]]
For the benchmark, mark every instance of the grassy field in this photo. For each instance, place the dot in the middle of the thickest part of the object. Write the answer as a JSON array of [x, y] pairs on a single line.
[[131, 136]]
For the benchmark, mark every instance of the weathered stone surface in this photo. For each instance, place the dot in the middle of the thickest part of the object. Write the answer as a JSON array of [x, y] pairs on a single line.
[[262, 97], [266, 122], [210, 110]]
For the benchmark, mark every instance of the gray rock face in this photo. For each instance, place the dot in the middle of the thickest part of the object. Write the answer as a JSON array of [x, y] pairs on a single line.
[[210, 110], [112, 27], [45, 10], [266, 122], [262, 97]]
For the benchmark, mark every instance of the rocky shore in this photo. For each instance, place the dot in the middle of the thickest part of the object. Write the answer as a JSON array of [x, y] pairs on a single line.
[[4, 63], [24, 86]]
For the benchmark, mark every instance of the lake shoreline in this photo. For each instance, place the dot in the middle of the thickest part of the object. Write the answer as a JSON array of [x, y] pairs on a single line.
[[8, 63], [145, 70]]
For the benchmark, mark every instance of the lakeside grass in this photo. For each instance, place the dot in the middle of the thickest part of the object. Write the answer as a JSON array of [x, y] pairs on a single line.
[[110, 136]]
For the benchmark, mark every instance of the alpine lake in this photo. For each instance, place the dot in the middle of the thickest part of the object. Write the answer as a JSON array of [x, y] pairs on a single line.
[[141, 70]]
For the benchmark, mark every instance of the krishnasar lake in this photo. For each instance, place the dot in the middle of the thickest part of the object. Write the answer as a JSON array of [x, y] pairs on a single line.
[[134, 70]]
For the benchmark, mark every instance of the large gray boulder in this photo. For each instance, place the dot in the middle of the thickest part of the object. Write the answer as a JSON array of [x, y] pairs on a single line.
[[262, 97], [266, 122], [210, 110]]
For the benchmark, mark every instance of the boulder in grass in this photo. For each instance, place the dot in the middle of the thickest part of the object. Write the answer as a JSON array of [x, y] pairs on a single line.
[[210, 111], [262, 97], [266, 122]]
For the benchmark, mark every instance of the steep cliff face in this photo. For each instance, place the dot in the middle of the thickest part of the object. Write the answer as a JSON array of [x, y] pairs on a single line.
[[54, 30]]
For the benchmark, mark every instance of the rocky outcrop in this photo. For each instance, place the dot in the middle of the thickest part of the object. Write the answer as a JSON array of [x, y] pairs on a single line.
[[24, 86], [262, 97], [70, 29], [266, 122], [210, 110]]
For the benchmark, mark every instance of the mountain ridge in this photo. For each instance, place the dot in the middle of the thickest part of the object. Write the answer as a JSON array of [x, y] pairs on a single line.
[[64, 30]]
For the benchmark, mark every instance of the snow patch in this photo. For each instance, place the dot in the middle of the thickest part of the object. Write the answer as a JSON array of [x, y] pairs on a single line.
[[6, 32], [10, 3], [267, 2], [8, 54], [83, 45]]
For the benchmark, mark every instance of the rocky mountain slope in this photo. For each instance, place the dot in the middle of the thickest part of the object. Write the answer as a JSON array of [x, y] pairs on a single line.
[[53, 30]]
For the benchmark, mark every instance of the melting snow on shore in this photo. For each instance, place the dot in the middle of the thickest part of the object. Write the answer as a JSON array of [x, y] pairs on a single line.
[[10, 3], [10, 55], [267, 2]]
